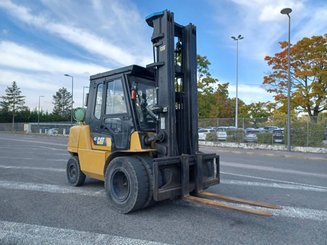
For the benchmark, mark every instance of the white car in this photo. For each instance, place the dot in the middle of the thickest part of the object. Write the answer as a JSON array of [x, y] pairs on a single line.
[[53, 131], [251, 135], [202, 132], [222, 133]]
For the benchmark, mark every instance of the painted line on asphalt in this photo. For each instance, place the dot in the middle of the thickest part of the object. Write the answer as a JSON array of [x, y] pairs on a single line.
[[31, 150], [39, 152], [20, 233], [281, 185], [300, 213], [59, 189], [30, 158], [26, 147], [33, 141], [33, 168], [17, 158], [271, 169], [273, 185], [258, 152], [286, 211], [273, 180], [53, 149]]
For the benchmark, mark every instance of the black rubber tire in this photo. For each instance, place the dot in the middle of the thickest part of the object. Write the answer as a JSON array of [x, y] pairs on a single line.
[[127, 184], [74, 174], [148, 165]]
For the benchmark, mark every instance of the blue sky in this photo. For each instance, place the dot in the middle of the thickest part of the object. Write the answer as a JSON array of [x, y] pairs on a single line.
[[41, 40]]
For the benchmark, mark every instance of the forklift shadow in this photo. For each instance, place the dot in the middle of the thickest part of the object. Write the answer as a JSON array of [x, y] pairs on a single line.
[[93, 182]]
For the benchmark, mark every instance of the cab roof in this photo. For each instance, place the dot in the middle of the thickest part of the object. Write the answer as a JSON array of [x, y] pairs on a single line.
[[132, 70]]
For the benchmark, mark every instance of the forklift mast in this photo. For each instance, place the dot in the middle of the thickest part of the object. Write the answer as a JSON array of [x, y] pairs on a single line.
[[175, 67], [140, 131]]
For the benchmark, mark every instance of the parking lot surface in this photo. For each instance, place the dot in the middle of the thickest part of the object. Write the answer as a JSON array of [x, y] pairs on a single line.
[[37, 206]]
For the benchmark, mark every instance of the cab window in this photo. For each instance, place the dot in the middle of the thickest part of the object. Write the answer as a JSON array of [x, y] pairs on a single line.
[[116, 101], [98, 102]]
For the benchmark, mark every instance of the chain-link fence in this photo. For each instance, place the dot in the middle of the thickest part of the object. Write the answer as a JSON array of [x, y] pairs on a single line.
[[305, 131]]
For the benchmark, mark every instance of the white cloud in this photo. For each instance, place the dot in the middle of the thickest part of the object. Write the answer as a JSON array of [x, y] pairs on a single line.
[[263, 26], [41, 74], [85, 36], [33, 85], [113, 33], [267, 10], [249, 93], [314, 24], [20, 57]]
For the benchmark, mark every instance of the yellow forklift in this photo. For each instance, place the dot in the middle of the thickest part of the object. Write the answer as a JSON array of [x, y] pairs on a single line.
[[139, 132]]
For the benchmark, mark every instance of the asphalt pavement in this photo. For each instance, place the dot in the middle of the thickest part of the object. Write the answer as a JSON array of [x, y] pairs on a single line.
[[37, 206]]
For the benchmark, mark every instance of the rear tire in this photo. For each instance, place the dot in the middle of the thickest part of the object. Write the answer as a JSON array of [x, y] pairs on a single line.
[[127, 184], [75, 176]]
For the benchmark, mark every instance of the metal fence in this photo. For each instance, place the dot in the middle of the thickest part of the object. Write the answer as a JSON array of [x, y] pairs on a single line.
[[304, 132], [273, 130], [51, 128]]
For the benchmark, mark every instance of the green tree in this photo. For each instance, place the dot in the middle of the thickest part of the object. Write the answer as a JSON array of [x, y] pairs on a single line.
[[13, 101], [258, 112], [308, 75], [213, 98], [223, 107], [62, 102]]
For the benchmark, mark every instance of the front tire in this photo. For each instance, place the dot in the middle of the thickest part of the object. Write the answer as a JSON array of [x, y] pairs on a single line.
[[75, 176], [127, 184]]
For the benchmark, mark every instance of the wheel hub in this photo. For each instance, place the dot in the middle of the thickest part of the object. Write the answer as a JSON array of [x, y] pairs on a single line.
[[120, 185]]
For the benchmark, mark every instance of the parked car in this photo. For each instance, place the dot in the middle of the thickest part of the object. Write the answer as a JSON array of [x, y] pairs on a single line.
[[53, 131], [278, 135], [270, 129], [222, 133], [251, 135], [202, 132]]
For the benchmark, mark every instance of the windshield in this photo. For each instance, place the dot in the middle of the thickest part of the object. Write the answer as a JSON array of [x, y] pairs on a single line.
[[146, 98]]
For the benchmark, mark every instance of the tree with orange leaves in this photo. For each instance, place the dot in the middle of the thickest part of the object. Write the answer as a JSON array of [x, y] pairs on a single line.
[[308, 75]]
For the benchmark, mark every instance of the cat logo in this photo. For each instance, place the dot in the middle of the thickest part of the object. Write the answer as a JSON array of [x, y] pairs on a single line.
[[99, 141]]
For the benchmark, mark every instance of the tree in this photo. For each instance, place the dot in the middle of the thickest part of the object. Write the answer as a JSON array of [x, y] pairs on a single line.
[[213, 98], [62, 102], [308, 75], [13, 101], [258, 112]]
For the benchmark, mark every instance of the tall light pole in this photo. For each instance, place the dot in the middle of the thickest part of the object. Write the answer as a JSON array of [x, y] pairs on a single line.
[[83, 95], [287, 11], [239, 37], [71, 112], [38, 113]]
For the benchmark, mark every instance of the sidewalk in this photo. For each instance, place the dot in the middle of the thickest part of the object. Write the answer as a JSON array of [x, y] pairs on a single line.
[[270, 153], [275, 147]]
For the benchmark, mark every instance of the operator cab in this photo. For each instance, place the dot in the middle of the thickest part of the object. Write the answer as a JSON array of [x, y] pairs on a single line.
[[120, 102]]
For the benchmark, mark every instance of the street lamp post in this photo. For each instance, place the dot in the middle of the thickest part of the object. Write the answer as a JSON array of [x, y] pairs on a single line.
[[38, 114], [83, 103], [287, 11], [71, 112], [239, 37]]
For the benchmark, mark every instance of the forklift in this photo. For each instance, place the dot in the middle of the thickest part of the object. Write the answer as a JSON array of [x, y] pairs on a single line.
[[139, 133]]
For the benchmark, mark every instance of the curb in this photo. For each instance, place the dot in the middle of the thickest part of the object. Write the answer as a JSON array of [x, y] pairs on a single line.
[[254, 146]]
